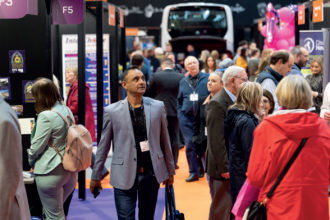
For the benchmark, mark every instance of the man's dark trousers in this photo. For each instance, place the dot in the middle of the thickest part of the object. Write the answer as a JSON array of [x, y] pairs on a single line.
[[186, 126], [174, 133], [145, 189]]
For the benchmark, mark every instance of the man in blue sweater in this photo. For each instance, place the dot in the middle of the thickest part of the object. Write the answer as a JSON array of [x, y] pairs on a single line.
[[192, 87]]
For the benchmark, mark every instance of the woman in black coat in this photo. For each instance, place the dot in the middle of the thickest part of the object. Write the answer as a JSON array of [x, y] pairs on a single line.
[[239, 125], [214, 85]]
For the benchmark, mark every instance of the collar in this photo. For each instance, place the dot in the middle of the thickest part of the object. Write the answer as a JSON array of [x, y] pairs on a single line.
[[207, 100], [297, 66], [195, 77], [231, 95], [277, 76], [286, 111], [168, 68]]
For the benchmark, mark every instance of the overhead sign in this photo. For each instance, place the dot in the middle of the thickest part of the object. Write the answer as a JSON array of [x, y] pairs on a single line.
[[301, 14], [318, 11], [112, 15], [121, 18], [13, 9], [67, 11]]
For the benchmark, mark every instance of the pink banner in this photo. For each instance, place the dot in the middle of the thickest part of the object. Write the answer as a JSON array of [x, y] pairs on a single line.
[[13, 9], [67, 11]]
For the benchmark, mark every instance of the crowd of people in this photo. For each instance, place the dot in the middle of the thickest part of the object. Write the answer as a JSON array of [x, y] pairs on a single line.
[[241, 120], [256, 105]]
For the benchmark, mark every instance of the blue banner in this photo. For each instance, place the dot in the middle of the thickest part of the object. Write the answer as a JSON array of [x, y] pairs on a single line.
[[313, 42]]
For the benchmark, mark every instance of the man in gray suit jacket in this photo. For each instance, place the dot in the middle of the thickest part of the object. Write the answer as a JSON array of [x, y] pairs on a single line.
[[217, 164], [13, 202], [142, 156]]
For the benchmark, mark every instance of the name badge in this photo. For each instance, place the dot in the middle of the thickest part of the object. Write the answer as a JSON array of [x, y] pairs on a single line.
[[144, 146], [205, 131], [194, 97]]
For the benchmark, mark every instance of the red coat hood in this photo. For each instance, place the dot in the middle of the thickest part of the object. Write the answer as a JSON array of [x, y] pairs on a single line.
[[298, 125]]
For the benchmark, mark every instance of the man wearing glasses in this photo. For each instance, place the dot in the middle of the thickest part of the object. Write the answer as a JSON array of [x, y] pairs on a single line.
[[300, 55], [191, 88], [217, 163]]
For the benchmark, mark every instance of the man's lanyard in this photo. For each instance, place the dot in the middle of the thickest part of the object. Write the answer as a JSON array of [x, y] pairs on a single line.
[[190, 84]]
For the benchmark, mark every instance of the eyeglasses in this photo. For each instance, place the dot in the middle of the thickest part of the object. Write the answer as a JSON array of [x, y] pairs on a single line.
[[243, 79]]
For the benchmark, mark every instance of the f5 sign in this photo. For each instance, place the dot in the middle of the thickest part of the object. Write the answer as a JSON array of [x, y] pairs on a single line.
[[68, 9]]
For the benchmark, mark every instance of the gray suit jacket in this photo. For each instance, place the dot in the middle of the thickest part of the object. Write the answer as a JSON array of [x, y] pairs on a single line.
[[217, 161], [13, 202], [117, 127]]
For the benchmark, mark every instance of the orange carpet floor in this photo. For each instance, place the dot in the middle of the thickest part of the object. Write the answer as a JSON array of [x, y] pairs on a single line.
[[192, 199]]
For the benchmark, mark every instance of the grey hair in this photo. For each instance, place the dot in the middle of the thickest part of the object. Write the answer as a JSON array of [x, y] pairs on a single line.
[[231, 72], [219, 73], [185, 61], [296, 50]]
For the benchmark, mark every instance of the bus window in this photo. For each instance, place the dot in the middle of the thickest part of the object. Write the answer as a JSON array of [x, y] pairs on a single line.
[[198, 20]]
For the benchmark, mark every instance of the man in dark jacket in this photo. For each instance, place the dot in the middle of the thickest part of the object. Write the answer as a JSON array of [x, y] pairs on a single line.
[[191, 51], [164, 86], [192, 87], [300, 55], [217, 165], [281, 63]]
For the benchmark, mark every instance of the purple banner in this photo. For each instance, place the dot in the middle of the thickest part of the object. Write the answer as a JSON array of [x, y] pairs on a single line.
[[13, 9], [26, 91], [67, 11], [17, 61]]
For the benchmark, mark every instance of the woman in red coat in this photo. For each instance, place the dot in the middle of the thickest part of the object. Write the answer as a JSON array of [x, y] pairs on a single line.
[[303, 192], [71, 76]]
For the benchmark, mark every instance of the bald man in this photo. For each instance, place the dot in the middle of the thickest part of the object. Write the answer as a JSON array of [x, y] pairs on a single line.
[[192, 87]]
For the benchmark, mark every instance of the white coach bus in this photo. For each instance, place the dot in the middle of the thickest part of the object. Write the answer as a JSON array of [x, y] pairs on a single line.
[[198, 19]]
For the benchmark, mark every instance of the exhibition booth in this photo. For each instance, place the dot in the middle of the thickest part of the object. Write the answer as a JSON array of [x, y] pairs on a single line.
[[42, 39]]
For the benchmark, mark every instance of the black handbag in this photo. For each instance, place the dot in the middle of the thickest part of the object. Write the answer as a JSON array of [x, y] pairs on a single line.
[[170, 209], [258, 209]]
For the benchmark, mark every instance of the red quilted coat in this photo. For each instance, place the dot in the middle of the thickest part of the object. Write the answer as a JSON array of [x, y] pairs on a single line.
[[303, 192], [72, 103]]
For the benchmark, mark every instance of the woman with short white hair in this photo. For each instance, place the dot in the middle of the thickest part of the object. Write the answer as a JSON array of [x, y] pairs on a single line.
[[303, 192]]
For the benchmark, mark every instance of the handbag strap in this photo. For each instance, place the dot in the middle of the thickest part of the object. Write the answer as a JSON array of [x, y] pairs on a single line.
[[286, 168], [67, 123], [169, 203]]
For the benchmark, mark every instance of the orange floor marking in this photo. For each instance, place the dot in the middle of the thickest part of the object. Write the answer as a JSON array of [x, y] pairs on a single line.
[[192, 199]]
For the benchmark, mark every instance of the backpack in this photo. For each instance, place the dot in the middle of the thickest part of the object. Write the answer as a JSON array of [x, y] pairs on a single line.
[[79, 147]]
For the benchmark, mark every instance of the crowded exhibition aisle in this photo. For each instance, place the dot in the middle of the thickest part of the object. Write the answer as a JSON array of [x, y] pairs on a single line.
[[192, 199]]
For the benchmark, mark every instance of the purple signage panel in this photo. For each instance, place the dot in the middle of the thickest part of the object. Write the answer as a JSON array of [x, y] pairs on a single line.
[[13, 9], [67, 11]]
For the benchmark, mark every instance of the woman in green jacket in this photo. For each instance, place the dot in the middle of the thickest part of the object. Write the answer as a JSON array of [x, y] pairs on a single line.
[[54, 184]]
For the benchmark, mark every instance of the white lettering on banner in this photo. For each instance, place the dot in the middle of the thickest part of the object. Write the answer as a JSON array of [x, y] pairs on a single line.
[[237, 8], [8, 2], [317, 8], [149, 10], [319, 45], [69, 9]]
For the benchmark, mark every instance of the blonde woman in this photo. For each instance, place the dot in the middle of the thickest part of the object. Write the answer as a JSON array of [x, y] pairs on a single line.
[[315, 81], [239, 126], [303, 192]]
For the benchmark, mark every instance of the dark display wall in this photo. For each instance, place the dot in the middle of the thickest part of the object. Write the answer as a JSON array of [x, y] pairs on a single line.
[[32, 35]]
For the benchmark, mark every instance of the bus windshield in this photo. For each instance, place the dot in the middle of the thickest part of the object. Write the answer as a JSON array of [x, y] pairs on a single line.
[[197, 20]]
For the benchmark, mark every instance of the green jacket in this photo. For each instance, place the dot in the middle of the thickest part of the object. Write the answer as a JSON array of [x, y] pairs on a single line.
[[49, 126]]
